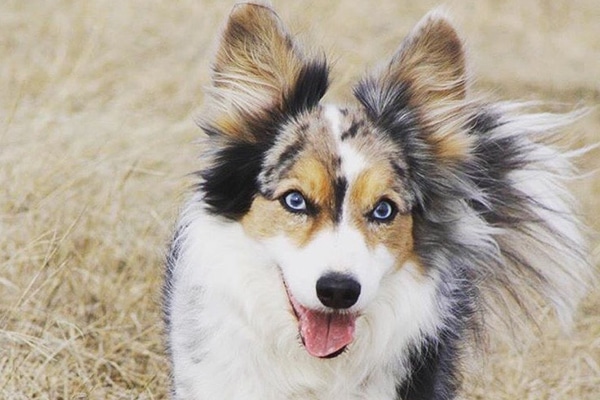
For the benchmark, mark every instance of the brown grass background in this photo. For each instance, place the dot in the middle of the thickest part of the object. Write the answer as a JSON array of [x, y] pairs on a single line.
[[97, 102]]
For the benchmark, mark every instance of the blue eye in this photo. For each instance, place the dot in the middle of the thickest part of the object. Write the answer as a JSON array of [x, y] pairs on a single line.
[[384, 211], [294, 202]]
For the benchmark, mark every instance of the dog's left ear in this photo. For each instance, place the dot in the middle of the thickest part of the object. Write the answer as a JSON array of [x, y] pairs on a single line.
[[426, 79], [260, 76]]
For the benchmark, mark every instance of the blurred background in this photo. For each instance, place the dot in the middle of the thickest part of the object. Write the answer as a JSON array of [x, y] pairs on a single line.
[[97, 108]]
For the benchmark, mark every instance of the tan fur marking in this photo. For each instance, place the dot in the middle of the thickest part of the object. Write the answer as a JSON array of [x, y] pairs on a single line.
[[449, 137], [369, 188], [432, 60], [268, 218], [313, 180], [255, 64]]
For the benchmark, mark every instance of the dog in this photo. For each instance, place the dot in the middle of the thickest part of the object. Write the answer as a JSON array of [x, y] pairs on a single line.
[[352, 252]]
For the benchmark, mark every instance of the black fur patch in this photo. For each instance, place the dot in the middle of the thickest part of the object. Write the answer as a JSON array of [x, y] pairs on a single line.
[[502, 155], [340, 187], [310, 87], [288, 155], [383, 102], [352, 131], [230, 185], [432, 374]]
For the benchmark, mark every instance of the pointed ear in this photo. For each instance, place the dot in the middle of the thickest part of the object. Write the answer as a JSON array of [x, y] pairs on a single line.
[[427, 76], [259, 76], [431, 60]]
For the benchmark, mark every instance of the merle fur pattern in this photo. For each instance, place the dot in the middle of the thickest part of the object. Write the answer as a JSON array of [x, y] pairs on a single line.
[[469, 215], [230, 185]]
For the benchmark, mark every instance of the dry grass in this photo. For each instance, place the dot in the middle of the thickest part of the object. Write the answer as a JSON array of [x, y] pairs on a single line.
[[96, 124]]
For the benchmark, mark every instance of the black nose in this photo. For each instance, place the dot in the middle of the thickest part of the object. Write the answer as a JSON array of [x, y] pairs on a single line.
[[337, 290]]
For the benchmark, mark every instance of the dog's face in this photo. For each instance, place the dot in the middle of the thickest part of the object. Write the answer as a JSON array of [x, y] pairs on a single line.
[[335, 214], [329, 191]]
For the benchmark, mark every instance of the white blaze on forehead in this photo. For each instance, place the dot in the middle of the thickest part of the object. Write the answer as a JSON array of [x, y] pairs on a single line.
[[352, 162]]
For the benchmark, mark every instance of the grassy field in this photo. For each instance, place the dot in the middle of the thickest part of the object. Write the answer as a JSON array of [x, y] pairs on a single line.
[[97, 107]]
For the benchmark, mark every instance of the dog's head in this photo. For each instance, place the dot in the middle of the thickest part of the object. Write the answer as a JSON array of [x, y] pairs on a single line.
[[331, 191]]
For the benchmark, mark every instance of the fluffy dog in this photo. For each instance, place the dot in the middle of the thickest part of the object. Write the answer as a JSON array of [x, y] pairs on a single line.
[[349, 252]]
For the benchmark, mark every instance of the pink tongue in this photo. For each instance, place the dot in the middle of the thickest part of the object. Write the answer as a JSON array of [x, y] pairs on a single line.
[[325, 333]]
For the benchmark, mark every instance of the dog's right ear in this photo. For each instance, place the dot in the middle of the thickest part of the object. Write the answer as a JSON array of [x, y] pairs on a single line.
[[259, 77]]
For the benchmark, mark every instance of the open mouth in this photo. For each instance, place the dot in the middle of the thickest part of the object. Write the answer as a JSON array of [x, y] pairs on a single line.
[[324, 334]]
